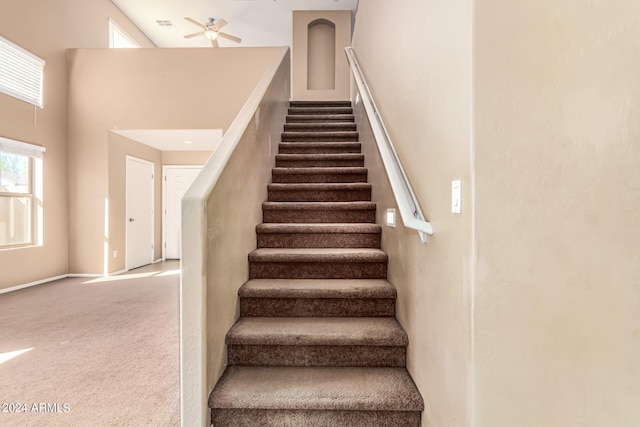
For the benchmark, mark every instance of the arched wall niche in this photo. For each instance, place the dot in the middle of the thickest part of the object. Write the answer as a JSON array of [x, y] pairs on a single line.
[[320, 70], [321, 55]]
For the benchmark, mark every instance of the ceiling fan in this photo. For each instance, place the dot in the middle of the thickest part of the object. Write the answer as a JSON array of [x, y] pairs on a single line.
[[211, 30]]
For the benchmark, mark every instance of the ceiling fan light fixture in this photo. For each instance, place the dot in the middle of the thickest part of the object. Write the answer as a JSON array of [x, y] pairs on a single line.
[[211, 34]]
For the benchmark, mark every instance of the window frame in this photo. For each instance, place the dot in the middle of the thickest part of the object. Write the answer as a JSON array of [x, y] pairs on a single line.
[[115, 28], [34, 153]]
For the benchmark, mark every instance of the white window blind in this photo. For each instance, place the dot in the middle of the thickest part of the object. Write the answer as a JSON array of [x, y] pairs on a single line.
[[21, 73]]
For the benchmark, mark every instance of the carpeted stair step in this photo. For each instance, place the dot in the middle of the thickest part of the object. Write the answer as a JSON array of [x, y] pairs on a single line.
[[318, 235], [316, 298], [327, 136], [319, 192], [323, 212], [317, 263], [319, 160], [321, 111], [319, 147], [307, 118], [319, 397], [320, 127], [318, 175], [314, 103], [317, 341]]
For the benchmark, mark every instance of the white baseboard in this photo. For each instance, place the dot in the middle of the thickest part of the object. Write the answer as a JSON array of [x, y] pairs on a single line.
[[36, 283], [64, 276]]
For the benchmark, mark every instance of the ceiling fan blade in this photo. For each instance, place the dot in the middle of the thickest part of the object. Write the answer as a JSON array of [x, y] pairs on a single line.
[[230, 37], [214, 43], [193, 21], [200, 33], [219, 24]]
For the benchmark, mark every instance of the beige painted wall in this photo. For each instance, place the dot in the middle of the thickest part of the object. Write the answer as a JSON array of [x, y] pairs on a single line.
[[557, 113], [522, 311], [22, 21], [424, 96], [234, 208], [301, 21], [185, 157], [142, 89]]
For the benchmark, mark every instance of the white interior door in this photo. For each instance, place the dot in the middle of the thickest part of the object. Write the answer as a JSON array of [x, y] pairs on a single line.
[[176, 182], [139, 219]]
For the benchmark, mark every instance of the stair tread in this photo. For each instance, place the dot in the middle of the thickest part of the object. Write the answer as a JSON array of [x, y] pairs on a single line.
[[320, 170], [322, 132], [328, 228], [321, 118], [318, 205], [304, 102], [321, 125], [317, 186], [321, 144], [336, 255], [320, 388], [323, 156], [317, 288], [308, 109], [334, 331], [305, 118]]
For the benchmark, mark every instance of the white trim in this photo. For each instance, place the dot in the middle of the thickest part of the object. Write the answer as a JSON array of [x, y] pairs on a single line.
[[36, 195], [65, 276], [126, 209], [155, 261], [113, 25], [164, 199], [30, 284], [21, 148]]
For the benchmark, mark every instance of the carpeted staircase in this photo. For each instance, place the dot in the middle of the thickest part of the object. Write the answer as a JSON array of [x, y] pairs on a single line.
[[317, 342]]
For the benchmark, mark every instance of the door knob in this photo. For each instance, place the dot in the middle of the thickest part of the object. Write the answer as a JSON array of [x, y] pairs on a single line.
[[131, 219]]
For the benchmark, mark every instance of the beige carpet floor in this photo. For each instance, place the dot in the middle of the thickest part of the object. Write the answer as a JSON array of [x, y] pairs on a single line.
[[92, 352]]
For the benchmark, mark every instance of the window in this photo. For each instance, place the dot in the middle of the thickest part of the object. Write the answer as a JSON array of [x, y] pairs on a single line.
[[118, 38], [20, 193], [21, 73]]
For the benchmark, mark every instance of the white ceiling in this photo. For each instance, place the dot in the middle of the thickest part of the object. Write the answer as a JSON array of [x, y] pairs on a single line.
[[174, 139], [256, 22]]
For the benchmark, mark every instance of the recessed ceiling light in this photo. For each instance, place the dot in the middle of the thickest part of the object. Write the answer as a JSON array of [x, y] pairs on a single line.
[[188, 142]]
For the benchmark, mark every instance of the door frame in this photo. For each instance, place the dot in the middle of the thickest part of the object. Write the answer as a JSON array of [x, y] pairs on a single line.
[[126, 209], [164, 198]]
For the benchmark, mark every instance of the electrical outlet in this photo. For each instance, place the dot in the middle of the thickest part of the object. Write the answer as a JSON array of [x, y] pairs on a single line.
[[115, 254]]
